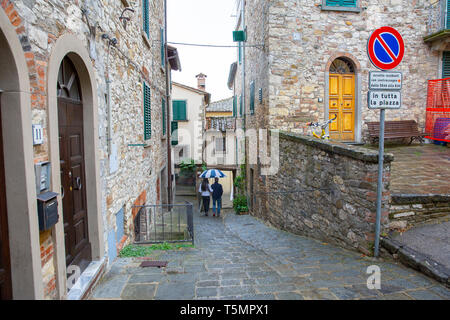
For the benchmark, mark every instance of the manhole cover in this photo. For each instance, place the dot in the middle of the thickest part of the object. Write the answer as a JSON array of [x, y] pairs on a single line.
[[158, 264]]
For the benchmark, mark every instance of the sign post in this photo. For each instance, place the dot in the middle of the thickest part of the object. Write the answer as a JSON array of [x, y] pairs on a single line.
[[385, 49]]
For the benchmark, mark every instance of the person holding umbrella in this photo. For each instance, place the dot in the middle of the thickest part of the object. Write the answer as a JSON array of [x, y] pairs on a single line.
[[211, 173], [217, 196], [205, 191]]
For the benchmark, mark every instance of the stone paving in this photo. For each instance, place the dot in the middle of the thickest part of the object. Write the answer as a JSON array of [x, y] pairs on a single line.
[[239, 257], [420, 169]]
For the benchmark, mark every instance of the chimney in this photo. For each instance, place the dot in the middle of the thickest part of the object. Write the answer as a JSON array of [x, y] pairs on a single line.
[[201, 79]]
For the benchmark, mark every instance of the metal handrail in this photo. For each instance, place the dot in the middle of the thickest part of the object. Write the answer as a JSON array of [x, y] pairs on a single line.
[[156, 223]]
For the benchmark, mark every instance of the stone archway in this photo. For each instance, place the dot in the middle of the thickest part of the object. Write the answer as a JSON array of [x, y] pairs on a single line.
[[345, 60], [25, 262], [71, 47]]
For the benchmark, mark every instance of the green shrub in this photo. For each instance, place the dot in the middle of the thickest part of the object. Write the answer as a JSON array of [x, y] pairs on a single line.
[[240, 202]]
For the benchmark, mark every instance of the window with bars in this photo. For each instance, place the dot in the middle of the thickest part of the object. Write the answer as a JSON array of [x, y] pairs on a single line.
[[147, 113], [146, 17], [341, 5]]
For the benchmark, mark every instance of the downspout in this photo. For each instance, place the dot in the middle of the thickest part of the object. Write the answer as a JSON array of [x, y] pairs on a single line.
[[108, 102], [169, 151]]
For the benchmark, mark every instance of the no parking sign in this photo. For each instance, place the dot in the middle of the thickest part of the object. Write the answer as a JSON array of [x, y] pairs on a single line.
[[385, 48]]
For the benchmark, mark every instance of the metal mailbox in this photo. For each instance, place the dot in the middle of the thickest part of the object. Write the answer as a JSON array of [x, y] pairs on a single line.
[[47, 204]]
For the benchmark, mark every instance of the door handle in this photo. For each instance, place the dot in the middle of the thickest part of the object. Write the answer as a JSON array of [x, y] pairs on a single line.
[[62, 192], [78, 183]]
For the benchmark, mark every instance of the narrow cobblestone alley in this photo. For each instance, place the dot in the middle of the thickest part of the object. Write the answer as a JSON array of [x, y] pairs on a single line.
[[238, 257]]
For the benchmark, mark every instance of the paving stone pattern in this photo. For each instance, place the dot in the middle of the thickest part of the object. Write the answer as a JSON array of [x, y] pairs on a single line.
[[240, 258], [420, 169]]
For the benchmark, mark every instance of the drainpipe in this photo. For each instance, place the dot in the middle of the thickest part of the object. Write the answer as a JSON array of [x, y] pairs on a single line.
[[108, 96], [169, 149]]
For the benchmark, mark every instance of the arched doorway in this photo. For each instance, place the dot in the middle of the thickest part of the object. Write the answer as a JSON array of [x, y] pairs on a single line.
[[20, 263], [72, 166], [341, 99]]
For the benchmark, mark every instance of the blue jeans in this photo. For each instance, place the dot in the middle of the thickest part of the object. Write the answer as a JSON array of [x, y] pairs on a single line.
[[219, 205]]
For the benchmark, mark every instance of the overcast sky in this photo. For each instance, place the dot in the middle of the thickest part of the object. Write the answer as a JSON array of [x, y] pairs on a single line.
[[203, 22]]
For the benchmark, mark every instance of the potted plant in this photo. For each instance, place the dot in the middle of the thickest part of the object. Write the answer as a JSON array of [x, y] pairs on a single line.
[[240, 204]]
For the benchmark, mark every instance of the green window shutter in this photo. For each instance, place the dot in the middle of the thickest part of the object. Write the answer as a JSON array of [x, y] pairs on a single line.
[[163, 103], [252, 97], [147, 113], [447, 20], [234, 106], [240, 105], [240, 52], [145, 17], [163, 53], [174, 136], [446, 64], [341, 3], [179, 110]]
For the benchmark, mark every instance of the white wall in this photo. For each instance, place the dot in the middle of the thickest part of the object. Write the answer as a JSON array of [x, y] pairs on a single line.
[[190, 131]]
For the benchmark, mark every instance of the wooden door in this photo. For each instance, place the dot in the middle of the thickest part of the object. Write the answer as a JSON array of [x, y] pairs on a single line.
[[71, 148], [5, 265], [342, 104], [73, 180]]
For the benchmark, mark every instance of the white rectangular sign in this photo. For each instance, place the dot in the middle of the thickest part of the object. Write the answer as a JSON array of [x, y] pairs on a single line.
[[385, 80], [384, 99]]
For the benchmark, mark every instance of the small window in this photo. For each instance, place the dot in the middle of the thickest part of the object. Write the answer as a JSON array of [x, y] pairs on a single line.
[[174, 133], [252, 97], [179, 110], [240, 105], [146, 17], [221, 144], [163, 53], [163, 105], [341, 5], [147, 113]]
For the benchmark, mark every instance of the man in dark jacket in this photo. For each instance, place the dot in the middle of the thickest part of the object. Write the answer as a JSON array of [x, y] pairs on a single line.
[[217, 196]]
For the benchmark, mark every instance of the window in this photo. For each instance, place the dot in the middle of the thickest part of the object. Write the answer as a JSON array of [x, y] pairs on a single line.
[[147, 113], [174, 133], [163, 104], [221, 145], [446, 64], [240, 105], [163, 53], [341, 5], [179, 110], [234, 106], [145, 17], [252, 97]]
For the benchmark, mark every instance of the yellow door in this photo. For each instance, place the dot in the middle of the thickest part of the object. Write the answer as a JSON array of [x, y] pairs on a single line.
[[342, 103]]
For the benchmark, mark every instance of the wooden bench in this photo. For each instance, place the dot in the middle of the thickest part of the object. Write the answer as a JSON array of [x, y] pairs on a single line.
[[396, 130]]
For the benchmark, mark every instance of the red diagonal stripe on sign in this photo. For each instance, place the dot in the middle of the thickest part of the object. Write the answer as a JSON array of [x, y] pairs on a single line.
[[386, 47]]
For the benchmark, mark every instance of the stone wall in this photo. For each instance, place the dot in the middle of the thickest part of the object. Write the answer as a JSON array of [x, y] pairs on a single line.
[[134, 59], [407, 211], [301, 41], [326, 191]]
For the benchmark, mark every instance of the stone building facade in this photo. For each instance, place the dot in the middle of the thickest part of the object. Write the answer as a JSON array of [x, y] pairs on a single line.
[[303, 59], [111, 79]]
